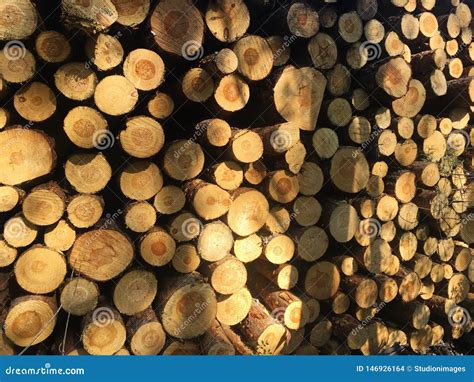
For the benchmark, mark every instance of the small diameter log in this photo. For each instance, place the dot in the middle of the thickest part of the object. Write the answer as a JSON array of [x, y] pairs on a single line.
[[388, 288], [350, 27], [232, 93], [248, 211], [85, 210], [284, 306], [20, 19], [35, 102], [92, 16], [285, 276], [188, 306], [265, 333], [52, 47], [349, 170], [278, 220], [227, 175], [75, 81], [88, 173], [131, 13], [362, 290], [142, 137], [140, 216], [141, 180], [302, 20], [215, 341], [227, 276], [245, 146], [322, 280], [79, 296], [255, 57], [343, 223], [135, 291], [145, 333], [183, 160], [409, 284], [18, 232], [282, 186], [411, 103], [101, 254], [255, 173], [197, 85], [8, 254], [115, 95], [208, 200], [45, 204], [213, 132], [279, 249], [323, 51], [185, 227], [103, 331], [87, 128], [224, 61], [17, 64], [30, 320], [157, 247], [40, 270], [144, 69], [232, 309], [300, 107], [104, 51], [169, 200], [248, 249], [161, 106], [312, 243], [394, 77], [215, 240], [186, 259]]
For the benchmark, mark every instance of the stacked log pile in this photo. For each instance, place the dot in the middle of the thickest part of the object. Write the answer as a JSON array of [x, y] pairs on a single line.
[[236, 177]]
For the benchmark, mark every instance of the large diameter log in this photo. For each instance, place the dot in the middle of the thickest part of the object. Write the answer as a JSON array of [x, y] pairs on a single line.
[[227, 21], [298, 94], [349, 170], [25, 155], [30, 320], [135, 291], [248, 211], [187, 306], [40, 270], [19, 19], [101, 254], [178, 28], [322, 280], [394, 77], [266, 334]]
